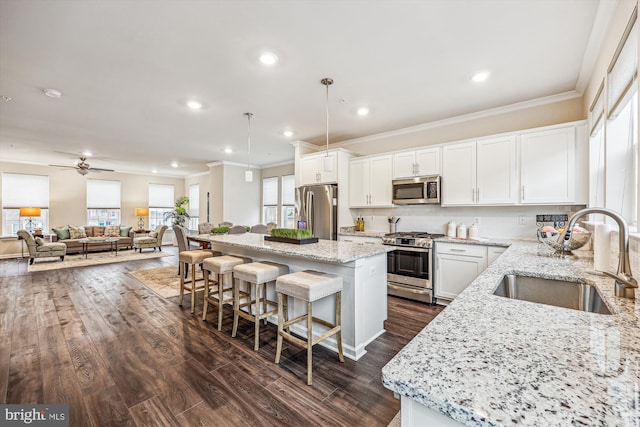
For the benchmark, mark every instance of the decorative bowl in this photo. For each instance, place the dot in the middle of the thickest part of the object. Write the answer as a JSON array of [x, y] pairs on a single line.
[[579, 238]]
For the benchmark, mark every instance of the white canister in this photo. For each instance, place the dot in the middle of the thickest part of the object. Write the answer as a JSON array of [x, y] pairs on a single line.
[[451, 229], [462, 231], [473, 231]]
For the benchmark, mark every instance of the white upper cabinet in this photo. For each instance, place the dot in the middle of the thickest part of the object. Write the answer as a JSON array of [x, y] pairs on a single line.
[[459, 174], [548, 166], [370, 182], [497, 171], [417, 163], [312, 169], [480, 173]]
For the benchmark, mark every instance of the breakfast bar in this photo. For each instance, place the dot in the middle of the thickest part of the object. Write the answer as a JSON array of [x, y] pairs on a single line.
[[362, 267]]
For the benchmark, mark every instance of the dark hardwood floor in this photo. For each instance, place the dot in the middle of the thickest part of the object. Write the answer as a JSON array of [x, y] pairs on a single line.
[[118, 354]]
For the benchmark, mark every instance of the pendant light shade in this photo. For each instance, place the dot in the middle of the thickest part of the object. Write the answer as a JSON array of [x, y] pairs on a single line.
[[248, 174], [327, 162]]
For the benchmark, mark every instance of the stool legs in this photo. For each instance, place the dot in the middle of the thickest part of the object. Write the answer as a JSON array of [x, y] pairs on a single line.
[[259, 301], [339, 324], [181, 267], [309, 341]]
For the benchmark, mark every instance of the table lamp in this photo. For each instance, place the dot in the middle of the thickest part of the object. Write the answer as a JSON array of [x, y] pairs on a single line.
[[141, 213], [30, 213]]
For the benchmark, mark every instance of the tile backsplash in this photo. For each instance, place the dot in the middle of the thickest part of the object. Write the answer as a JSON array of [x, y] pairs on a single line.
[[508, 222]]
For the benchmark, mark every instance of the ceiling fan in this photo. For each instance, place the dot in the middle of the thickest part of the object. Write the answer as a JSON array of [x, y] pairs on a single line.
[[83, 168]]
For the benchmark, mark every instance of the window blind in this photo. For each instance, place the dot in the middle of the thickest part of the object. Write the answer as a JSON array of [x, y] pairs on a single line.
[[161, 196], [21, 191], [103, 194], [596, 112], [270, 191], [623, 69], [288, 189], [194, 200]]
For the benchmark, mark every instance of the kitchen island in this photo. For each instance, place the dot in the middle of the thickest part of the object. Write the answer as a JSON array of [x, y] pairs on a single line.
[[487, 360], [362, 266]]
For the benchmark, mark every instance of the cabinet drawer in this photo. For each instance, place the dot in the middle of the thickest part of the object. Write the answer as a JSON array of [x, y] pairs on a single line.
[[461, 249]]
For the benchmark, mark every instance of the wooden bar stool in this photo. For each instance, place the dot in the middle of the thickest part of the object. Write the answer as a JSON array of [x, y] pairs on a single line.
[[192, 258], [308, 286], [222, 268], [257, 275]]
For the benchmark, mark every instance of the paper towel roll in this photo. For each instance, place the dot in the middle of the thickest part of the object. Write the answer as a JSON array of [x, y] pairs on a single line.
[[602, 247]]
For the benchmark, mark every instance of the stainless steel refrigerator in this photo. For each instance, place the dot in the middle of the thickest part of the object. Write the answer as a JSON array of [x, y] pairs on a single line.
[[317, 210]]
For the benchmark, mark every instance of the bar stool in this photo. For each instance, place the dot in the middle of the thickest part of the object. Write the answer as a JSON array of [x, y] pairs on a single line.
[[192, 258], [222, 268], [258, 275], [308, 286]]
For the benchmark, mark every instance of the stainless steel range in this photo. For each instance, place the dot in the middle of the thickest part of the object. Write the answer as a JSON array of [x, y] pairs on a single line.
[[409, 266]]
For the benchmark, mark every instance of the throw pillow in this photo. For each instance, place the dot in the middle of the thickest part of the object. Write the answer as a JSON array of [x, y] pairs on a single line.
[[77, 232], [124, 231], [62, 233], [112, 231], [39, 241], [153, 234]]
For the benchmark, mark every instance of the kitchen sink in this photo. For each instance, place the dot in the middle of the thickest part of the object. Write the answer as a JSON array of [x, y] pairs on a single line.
[[560, 293]]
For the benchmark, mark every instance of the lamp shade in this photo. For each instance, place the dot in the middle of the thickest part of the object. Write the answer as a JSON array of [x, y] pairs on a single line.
[[30, 212], [142, 211]]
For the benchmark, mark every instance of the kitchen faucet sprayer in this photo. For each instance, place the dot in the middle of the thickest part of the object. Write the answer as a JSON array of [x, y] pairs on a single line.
[[625, 283]]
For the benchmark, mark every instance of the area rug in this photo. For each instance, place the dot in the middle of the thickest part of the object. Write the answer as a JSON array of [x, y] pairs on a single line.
[[164, 281], [96, 258], [395, 422]]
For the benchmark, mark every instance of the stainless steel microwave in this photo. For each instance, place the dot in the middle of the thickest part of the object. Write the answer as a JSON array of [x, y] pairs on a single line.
[[417, 191]]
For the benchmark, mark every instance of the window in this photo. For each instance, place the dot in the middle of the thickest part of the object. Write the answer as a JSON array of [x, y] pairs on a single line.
[[270, 200], [194, 206], [621, 127], [22, 191], [103, 202], [288, 202], [596, 150], [161, 200]]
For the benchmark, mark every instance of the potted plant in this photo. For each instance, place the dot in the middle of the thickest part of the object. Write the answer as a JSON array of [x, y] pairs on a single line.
[[179, 214]]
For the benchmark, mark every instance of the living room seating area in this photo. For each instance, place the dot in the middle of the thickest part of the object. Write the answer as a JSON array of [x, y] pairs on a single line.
[[71, 236]]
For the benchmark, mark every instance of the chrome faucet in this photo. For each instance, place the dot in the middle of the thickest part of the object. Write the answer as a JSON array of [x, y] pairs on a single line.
[[625, 283]]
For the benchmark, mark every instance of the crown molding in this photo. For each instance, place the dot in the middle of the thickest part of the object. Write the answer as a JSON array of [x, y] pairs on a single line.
[[463, 118], [197, 174]]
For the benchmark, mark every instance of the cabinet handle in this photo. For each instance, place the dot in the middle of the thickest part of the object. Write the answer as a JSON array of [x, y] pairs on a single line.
[[523, 192], [473, 195], [478, 196], [457, 250]]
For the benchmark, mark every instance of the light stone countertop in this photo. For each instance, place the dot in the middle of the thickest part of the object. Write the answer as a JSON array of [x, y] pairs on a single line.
[[325, 250], [492, 361], [371, 233]]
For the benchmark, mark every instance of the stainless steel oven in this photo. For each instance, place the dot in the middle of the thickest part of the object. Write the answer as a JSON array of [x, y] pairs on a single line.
[[410, 265]]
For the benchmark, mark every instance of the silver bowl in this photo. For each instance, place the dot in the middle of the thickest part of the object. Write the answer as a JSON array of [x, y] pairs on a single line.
[[578, 240]]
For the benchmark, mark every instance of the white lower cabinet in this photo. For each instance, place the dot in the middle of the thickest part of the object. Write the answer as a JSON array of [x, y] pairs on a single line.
[[360, 239], [457, 265], [493, 252]]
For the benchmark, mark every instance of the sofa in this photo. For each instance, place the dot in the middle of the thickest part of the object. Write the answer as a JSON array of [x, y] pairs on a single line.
[[70, 236]]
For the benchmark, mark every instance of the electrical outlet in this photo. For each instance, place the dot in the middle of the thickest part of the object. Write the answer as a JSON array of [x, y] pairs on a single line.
[[476, 220], [521, 219]]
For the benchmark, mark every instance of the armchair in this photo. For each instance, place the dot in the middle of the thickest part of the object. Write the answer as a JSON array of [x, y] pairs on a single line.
[[39, 249], [153, 240]]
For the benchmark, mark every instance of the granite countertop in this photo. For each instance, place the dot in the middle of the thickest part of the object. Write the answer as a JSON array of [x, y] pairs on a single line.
[[492, 361], [371, 233], [325, 250], [484, 241]]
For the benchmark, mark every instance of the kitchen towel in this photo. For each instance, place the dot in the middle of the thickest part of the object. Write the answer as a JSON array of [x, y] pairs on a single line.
[[602, 247]]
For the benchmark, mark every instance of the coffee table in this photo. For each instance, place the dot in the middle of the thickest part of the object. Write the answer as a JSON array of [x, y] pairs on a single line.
[[87, 242]]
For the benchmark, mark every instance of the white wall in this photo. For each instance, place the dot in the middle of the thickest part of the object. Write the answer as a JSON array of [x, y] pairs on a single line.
[[241, 200]]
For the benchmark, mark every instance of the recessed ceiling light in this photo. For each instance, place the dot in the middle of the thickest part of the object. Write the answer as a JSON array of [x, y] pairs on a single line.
[[480, 76], [87, 153], [363, 111], [52, 93], [174, 164], [194, 105], [228, 150], [288, 133], [268, 58], [154, 171]]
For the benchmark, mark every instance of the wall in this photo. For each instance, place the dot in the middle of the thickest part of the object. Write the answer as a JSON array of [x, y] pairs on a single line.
[[202, 180], [241, 204], [67, 196]]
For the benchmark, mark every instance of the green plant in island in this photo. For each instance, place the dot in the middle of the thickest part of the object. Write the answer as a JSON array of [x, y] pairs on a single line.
[[220, 230], [179, 214], [291, 233]]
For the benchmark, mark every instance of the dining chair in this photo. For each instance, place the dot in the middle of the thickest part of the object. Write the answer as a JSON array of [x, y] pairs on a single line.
[[237, 229]]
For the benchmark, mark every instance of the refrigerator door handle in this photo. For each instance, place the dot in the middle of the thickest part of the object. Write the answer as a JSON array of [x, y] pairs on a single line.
[[309, 210]]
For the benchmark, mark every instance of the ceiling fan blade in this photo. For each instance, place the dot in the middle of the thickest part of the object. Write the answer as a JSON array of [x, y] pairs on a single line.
[[101, 170], [63, 166]]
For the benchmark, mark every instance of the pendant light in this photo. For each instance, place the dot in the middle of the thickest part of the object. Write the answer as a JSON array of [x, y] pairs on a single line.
[[327, 163], [248, 174]]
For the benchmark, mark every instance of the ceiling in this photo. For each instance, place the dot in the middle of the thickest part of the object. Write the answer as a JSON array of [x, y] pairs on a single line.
[[127, 69]]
